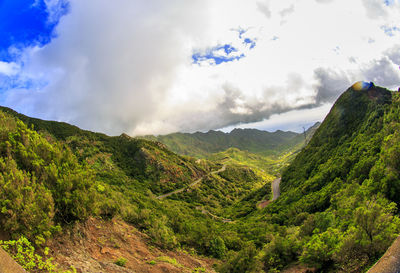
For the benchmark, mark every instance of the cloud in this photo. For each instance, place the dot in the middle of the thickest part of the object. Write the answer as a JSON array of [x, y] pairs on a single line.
[[8, 68], [330, 84], [129, 66], [375, 8], [324, 1], [111, 65], [263, 7], [234, 106], [56, 9], [394, 54], [287, 11], [382, 72], [390, 30]]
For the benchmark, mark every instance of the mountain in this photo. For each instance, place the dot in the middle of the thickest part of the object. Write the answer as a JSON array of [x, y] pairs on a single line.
[[337, 210], [55, 176], [340, 194], [252, 140], [150, 162]]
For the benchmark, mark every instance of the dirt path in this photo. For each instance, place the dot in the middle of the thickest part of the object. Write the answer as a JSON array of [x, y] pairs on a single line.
[[191, 185], [215, 217]]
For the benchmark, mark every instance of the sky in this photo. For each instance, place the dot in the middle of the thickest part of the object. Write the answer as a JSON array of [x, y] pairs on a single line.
[[157, 67]]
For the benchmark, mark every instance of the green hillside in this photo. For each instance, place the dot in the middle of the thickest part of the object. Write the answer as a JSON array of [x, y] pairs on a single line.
[[251, 140], [337, 211], [54, 174], [340, 194]]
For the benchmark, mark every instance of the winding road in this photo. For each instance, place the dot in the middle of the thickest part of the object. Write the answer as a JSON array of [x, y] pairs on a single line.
[[275, 185], [275, 188], [191, 185]]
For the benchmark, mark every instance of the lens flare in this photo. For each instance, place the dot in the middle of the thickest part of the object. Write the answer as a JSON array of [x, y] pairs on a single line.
[[362, 86]]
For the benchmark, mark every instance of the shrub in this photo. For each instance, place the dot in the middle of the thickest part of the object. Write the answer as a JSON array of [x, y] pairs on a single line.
[[217, 247], [24, 253], [121, 261]]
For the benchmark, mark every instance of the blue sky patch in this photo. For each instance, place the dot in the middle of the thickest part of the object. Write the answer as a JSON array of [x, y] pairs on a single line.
[[390, 31], [246, 40], [227, 52], [389, 2], [7, 83], [227, 48], [25, 23], [241, 31], [219, 54], [250, 42]]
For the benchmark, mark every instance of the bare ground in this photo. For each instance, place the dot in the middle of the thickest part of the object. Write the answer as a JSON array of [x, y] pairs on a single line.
[[95, 245]]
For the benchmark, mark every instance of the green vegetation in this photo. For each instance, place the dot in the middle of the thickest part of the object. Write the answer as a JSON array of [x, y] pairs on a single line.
[[24, 253], [339, 195], [66, 178], [263, 143], [337, 210], [42, 183], [121, 261], [265, 166], [169, 260]]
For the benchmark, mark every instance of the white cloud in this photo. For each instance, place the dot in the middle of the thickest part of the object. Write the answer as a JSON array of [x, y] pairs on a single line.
[[8, 68], [375, 8], [126, 66]]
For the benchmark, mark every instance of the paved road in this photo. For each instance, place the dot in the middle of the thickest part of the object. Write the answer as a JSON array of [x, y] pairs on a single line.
[[194, 183], [390, 261], [275, 188], [8, 265]]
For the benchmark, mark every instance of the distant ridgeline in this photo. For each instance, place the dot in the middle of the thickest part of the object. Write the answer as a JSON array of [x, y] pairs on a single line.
[[255, 141]]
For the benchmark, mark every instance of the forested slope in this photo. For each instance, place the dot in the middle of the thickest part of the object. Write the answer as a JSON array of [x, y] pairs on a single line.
[[340, 194], [337, 211], [53, 175]]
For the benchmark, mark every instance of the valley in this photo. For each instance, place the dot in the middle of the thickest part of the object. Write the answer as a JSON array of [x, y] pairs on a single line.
[[247, 201]]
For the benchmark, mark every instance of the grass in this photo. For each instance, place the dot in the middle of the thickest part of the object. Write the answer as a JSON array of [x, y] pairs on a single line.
[[169, 260]]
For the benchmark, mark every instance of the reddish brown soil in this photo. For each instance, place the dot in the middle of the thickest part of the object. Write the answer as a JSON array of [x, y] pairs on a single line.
[[95, 245]]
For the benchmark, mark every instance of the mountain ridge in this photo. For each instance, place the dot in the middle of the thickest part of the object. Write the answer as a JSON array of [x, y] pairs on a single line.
[[200, 144]]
